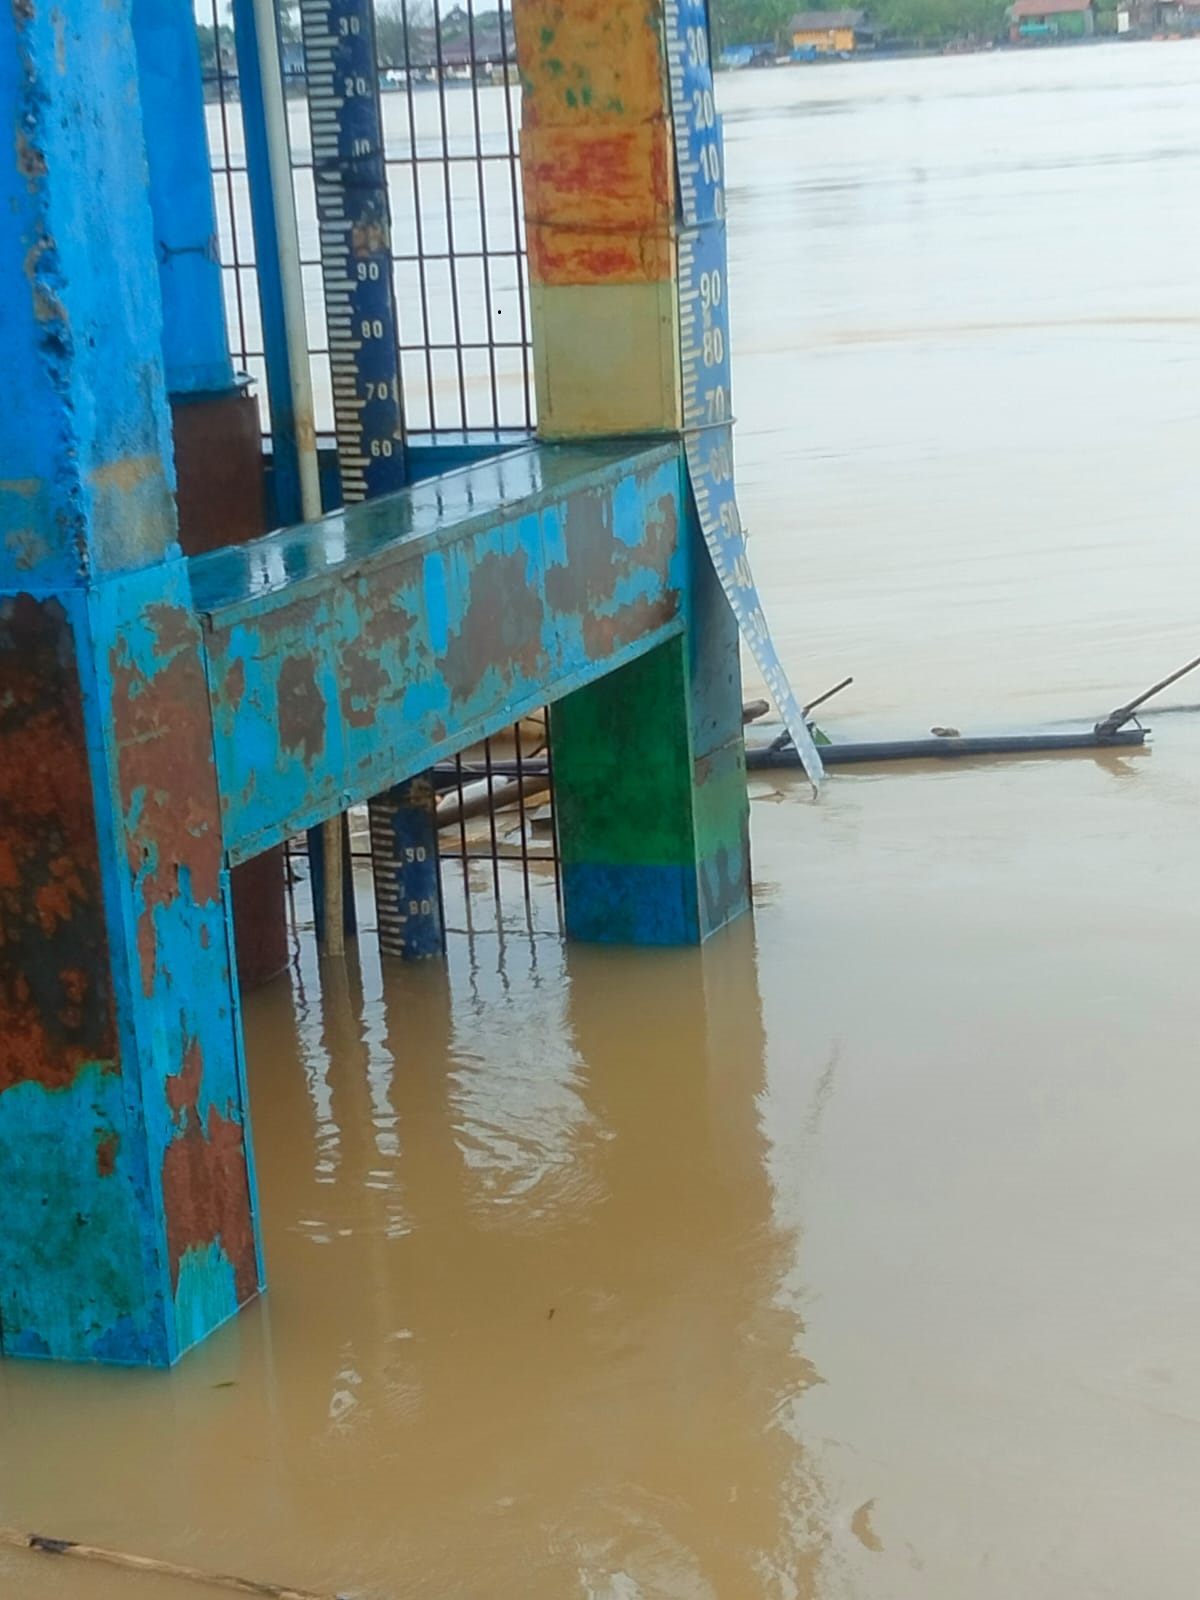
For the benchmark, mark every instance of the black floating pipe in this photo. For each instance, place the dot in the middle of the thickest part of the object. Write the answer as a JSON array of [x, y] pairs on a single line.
[[767, 759], [935, 749]]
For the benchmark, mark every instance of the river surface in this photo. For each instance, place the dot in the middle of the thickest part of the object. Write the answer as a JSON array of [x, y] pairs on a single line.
[[853, 1258]]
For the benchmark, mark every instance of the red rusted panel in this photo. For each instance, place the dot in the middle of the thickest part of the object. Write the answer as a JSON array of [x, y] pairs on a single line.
[[600, 178], [56, 1001], [600, 203], [259, 902], [219, 469], [560, 256], [596, 155]]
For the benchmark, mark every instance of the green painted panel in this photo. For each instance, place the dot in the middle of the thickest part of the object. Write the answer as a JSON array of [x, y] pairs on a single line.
[[623, 766]]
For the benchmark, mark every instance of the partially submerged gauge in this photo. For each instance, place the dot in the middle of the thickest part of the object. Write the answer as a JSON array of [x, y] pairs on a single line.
[[704, 331]]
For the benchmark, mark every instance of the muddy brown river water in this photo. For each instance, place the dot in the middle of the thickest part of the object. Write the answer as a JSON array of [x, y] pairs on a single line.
[[852, 1258]]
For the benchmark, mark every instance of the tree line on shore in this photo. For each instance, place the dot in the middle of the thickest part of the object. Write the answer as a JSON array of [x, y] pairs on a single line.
[[902, 22], [401, 25], [402, 31]]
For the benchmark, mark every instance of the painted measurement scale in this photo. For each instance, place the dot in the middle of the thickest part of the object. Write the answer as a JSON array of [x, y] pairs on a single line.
[[350, 179], [704, 319], [354, 216]]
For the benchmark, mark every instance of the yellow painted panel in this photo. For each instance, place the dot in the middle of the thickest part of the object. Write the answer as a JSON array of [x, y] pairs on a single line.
[[587, 61], [606, 359]]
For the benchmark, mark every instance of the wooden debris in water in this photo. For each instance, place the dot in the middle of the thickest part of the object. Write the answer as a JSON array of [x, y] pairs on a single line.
[[147, 1564]]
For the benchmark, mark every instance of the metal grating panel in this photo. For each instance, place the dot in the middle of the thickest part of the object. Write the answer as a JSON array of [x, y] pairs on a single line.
[[451, 118]]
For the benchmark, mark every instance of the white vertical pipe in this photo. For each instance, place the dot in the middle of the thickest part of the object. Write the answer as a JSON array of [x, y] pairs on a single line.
[[287, 227]]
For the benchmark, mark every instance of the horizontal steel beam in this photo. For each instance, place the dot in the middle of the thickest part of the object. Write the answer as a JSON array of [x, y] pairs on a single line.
[[347, 655]]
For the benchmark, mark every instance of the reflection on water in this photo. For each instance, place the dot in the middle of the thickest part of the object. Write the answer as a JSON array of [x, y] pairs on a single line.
[[529, 1329]]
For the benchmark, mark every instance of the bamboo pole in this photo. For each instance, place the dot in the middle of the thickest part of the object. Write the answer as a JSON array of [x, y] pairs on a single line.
[[148, 1564], [287, 229]]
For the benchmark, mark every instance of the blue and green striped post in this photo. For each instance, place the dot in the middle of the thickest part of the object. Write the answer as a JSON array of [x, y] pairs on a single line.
[[649, 764]]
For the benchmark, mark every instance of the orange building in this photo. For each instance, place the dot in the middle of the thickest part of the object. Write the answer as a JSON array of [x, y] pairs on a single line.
[[830, 33]]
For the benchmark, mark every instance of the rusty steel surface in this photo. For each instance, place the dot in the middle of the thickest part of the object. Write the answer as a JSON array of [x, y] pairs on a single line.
[[123, 1154], [349, 654], [597, 163], [219, 471], [56, 999], [219, 468], [164, 792], [126, 1221]]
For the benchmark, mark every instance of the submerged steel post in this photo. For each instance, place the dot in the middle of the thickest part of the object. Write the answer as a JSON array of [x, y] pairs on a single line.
[[129, 1229], [650, 784], [354, 213], [404, 850], [215, 420]]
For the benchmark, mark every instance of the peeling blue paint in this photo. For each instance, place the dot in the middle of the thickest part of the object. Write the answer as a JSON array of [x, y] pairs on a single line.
[[348, 655], [206, 1296], [73, 1263], [437, 603]]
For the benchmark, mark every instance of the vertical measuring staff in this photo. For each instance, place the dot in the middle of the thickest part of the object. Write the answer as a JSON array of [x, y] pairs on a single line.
[[704, 337], [354, 218], [350, 178]]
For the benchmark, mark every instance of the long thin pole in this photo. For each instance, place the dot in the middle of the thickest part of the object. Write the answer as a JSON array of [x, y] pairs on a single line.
[[828, 695], [1118, 718], [162, 1569], [287, 226], [285, 462]]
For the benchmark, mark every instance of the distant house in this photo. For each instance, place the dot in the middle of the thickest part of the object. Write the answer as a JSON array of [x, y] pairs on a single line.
[[1040, 20], [474, 42], [830, 33]]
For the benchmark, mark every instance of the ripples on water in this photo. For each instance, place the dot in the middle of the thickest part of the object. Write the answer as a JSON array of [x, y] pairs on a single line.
[[967, 343]]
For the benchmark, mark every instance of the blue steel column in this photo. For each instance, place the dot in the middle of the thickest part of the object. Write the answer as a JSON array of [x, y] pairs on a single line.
[[195, 338], [129, 1229], [216, 424]]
